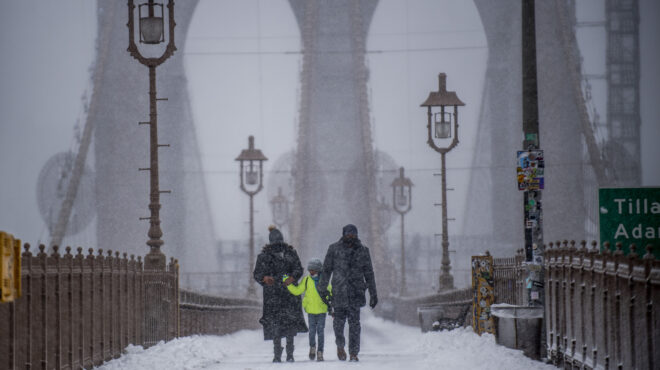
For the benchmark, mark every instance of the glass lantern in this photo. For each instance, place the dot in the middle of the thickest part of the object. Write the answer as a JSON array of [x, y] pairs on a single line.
[[442, 125], [401, 198], [151, 26], [251, 175]]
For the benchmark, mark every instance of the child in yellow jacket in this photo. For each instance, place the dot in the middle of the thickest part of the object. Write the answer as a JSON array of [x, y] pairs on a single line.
[[314, 306]]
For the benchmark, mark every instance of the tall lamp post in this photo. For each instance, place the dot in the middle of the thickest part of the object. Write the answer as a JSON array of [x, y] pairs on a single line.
[[152, 32], [280, 207], [402, 203], [252, 181], [439, 132], [384, 214]]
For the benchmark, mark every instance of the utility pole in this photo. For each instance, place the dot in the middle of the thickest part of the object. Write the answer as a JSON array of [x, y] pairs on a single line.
[[531, 142], [531, 161]]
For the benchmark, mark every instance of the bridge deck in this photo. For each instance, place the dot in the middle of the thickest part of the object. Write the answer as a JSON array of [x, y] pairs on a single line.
[[385, 345]]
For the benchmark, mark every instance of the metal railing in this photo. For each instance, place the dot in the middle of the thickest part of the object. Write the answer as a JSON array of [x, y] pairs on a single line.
[[77, 311], [600, 307], [161, 304], [509, 279], [406, 310], [508, 285], [224, 283], [205, 314]]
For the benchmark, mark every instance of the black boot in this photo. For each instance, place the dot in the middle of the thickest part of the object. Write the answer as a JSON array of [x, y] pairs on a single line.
[[277, 350], [289, 348], [341, 354]]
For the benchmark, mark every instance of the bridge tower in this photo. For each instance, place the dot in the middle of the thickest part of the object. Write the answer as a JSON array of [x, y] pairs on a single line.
[[334, 167], [499, 135], [622, 149]]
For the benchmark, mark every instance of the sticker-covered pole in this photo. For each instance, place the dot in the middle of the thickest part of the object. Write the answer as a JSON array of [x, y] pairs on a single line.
[[531, 141], [532, 195]]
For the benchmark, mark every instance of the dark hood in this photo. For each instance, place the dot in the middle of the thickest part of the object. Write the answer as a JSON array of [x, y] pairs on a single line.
[[350, 229]]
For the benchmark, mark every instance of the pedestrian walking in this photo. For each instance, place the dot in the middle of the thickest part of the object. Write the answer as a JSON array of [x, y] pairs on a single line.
[[314, 306], [282, 313], [348, 263]]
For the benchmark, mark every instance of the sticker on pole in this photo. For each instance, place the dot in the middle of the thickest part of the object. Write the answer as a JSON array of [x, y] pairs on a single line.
[[483, 294], [530, 165]]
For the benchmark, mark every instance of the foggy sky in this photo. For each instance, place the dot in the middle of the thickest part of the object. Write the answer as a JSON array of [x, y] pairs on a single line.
[[243, 64]]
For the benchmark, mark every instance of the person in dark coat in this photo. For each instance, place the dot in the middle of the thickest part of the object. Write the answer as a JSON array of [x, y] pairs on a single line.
[[349, 264], [278, 266]]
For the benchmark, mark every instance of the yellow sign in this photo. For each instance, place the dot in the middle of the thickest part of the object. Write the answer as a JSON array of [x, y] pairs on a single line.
[[483, 294], [10, 267]]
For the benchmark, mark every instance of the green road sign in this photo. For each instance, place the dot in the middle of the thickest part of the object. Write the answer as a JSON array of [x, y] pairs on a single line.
[[630, 215]]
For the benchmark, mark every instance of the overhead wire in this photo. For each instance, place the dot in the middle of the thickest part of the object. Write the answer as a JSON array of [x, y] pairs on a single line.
[[298, 52]]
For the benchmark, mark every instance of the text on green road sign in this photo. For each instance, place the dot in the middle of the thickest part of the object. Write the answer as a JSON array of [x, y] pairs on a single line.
[[637, 206], [630, 215]]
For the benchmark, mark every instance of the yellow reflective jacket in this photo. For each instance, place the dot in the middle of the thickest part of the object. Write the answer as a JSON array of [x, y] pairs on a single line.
[[312, 302]]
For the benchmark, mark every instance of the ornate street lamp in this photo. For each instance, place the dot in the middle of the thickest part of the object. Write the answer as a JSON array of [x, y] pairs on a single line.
[[252, 181], [151, 32], [384, 214], [280, 207], [439, 131], [402, 203]]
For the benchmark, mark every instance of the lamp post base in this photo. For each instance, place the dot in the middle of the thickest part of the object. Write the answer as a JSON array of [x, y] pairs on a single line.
[[251, 292], [446, 283], [155, 260]]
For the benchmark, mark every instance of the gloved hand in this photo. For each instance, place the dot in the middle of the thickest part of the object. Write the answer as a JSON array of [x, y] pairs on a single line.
[[373, 301], [325, 297], [288, 281]]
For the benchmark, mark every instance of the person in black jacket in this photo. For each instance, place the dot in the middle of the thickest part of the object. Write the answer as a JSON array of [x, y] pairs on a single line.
[[349, 264], [282, 311]]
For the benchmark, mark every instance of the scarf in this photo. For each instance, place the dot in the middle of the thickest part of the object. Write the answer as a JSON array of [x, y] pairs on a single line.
[[316, 280]]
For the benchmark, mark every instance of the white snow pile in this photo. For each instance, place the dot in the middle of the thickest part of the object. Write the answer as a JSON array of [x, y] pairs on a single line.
[[384, 345]]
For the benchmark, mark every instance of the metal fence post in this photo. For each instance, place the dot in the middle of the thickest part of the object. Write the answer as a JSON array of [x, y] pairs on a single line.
[[139, 301], [570, 327], [44, 317], [590, 288], [582, 302], [610, 275], [652, 280], [11, 308], [549, 300], [116, 307], [80, 267], [68, 270], [28, 289], [123, 300], [93, 303]]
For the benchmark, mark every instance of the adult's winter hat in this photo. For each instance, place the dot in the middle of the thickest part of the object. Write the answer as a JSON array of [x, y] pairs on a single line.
[[315, 264], [350, 229], [274, 235]]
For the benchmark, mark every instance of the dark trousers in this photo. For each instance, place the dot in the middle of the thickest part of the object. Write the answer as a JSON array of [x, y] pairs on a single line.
[[353, 316], [277, 346]]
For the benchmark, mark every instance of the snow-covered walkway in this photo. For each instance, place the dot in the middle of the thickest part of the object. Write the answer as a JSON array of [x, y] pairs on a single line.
[[385, 345]]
